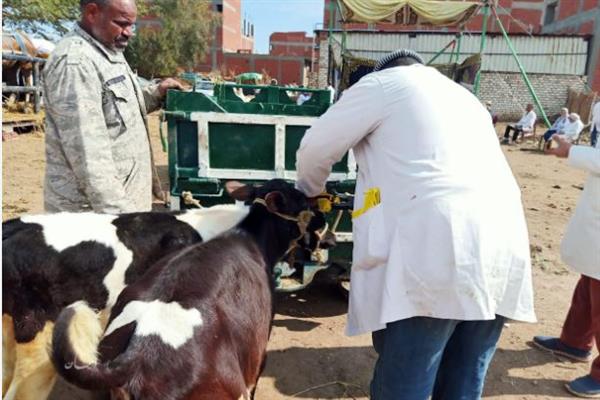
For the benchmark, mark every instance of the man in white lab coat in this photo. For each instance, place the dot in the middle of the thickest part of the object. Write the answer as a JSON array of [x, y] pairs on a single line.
[[570, 130], [525, 124], [441, 252], [580, 249]]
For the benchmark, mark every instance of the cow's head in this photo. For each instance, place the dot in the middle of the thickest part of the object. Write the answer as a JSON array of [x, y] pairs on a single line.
[[304, 224]]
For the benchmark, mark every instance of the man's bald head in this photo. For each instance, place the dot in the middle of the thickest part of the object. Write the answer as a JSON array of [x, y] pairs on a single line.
[[101, 3], [109, 21]]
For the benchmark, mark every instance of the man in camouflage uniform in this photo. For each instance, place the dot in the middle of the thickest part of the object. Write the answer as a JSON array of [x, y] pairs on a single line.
[[98, 155]]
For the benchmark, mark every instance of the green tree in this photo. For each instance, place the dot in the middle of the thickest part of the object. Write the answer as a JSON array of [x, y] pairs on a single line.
[[182, 39], [42, 16], [50, 18]]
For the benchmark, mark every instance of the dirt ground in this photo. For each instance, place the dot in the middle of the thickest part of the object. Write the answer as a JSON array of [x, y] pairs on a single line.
[[309, 356]]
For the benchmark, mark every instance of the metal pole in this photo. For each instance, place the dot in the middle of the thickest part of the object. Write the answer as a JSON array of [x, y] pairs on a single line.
[[36, 84], [339, 8], [20, 57], [442, 51], [458, 41], [523, 73], [329, 50], [486, 14], [19, 89], [331, 8], [452, 51]]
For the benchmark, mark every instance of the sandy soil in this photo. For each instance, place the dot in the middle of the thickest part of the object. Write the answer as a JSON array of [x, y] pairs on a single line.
[[309, 356]]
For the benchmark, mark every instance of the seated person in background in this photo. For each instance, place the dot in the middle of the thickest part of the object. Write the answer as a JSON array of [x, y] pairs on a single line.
[[488, 106], [571, 130], [558, 125], [525, 124]]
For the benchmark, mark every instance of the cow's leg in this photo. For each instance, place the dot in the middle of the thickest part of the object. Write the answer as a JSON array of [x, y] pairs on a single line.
[[8, 352], [34, 374], [28, 80]]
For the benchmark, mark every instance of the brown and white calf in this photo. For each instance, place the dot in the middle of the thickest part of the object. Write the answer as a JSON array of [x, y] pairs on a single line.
[[50, 261], [196, 325]]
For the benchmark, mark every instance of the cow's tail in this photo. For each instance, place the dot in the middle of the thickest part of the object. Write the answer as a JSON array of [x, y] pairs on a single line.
[[77, 334]]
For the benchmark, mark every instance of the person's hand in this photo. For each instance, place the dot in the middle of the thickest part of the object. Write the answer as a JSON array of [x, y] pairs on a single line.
[[168, 83], [562, 149]]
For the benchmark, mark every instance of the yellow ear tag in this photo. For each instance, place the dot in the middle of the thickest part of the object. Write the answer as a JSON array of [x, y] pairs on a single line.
[[324, 204]]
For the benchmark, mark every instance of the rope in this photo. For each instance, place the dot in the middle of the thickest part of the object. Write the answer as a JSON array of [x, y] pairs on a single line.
[[526, 28], [189, 200], [303, 217], [302, 220]]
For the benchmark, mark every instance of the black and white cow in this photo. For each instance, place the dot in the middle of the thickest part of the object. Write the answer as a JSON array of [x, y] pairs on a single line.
[[50, 261], [196, 325]]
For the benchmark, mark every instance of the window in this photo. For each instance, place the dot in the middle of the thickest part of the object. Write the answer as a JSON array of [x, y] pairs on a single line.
[[550, 14], [220, 8]]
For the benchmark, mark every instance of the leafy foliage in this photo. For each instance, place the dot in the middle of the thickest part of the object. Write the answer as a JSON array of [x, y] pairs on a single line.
[[49, 18], [180, 41], [40, 15]]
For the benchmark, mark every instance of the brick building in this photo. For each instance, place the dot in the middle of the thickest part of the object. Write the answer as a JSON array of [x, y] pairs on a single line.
[[288, 61], [517, 16], [577, 16], [233, 34], [291, 44]]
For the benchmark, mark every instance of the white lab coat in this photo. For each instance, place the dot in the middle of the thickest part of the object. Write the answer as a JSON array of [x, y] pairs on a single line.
[[449, 238], [580, 247], [571, 130]]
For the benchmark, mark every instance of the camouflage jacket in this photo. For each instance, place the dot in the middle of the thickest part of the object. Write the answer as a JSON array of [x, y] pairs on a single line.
[[98, 155]]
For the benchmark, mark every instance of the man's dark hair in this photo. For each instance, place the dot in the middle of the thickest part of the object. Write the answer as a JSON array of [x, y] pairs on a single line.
[[399, 62], [398, 58]]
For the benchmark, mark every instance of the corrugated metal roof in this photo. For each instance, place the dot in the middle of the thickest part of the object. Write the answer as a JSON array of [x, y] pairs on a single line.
[[538, 54]]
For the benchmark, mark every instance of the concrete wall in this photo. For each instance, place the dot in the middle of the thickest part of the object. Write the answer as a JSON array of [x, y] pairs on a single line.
[[323, 64], [509, 95]]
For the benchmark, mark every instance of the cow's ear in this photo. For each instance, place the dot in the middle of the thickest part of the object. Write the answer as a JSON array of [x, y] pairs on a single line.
[[275, 201], [239, 191]]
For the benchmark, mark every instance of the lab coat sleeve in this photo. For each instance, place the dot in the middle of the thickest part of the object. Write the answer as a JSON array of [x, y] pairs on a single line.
[[357, 113], [586, 158]]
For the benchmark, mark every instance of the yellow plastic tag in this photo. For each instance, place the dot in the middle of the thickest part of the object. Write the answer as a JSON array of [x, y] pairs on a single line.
[[372, 199]]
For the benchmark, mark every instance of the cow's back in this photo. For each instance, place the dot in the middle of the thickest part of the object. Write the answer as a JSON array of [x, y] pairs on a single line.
[[223, 285]]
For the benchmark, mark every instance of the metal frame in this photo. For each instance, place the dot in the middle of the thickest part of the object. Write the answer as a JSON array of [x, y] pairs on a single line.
[[36, 89], [488, 6], [522, 69], [203, 119]]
